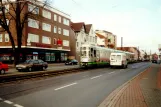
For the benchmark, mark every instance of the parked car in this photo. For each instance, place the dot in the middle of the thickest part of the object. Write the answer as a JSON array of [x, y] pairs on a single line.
[[154, 61], [3, 68], [31, 65], [71, 62]]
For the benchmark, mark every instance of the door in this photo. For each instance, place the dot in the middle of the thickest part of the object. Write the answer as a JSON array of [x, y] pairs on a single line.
[[36, 64]]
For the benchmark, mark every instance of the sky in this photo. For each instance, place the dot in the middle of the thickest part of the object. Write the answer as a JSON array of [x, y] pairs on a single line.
[[137, 21]]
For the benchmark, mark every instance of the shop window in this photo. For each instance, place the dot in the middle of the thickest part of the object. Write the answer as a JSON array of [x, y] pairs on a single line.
[[52, 57], [62, 56], [66, 56], [47, 57]]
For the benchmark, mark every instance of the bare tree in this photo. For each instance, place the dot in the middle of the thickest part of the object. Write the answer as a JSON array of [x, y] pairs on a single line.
[[14, 11]]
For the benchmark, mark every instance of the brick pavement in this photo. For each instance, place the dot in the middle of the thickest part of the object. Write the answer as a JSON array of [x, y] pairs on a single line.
[[150, 86], [159, 79], [128, 95]]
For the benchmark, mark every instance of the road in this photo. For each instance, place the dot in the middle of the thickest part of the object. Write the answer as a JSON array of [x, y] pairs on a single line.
[[83, 89]]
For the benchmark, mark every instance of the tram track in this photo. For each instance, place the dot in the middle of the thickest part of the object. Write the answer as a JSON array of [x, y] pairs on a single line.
[[17, 78]]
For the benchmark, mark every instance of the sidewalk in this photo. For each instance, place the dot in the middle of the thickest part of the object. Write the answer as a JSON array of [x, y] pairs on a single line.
[[53, 64], [142, 91]]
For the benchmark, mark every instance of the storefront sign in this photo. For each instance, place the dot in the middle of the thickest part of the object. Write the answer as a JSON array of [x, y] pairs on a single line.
[[59, 42], [41, 45]]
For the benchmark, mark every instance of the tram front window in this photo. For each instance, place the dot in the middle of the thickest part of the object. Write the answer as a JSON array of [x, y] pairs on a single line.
[[83, 53]]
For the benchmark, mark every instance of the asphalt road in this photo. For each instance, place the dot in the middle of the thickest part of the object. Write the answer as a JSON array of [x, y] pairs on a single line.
[[84, 89]]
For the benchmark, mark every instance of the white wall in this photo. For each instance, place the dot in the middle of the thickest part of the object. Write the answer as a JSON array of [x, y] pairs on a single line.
[[91, 37], [81, 37], [100, 41]]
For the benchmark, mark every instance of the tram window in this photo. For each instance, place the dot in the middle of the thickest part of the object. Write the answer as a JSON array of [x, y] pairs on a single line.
[[94, 53], [84, 48], [91, 49], [80, 48], [84, 53]]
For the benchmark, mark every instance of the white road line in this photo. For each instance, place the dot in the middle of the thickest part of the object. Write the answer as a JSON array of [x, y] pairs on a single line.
[[8, 102], [65, 86], [17, 105], [111, 72], [1, 99], [96, 77]]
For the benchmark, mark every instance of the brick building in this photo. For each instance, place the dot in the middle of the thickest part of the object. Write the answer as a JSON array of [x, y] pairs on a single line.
[[45, 37], [133, 50]]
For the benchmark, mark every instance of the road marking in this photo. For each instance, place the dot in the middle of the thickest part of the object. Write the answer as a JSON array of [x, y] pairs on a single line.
[[96, 77], [65, 86], [111, 72], [8, 102], [1, 99], [17, 105]]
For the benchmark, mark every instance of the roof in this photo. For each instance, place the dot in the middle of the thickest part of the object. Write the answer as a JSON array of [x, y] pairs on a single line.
[[123, 48], [100, 36], [88, 28], [77, 26]]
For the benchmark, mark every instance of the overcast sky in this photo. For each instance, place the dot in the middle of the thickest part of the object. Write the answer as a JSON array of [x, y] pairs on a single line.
[[137, 21]]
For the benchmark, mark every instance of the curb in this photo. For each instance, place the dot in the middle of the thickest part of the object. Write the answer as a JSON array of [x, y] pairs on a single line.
[[109, 101]]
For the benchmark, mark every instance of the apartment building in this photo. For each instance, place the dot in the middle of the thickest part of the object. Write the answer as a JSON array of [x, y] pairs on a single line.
[[112, 39], [101, 40], [45, 37]]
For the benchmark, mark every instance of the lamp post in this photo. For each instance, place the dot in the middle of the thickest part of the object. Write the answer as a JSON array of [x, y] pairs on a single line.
[[138, 53]]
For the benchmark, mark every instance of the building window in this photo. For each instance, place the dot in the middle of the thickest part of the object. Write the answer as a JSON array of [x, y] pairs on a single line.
[[66, 21], [46, 27], [6, 9], [33, 23], [33, 9], [65, 32], [77, 44], [55, 17], [65, 43], [59, 19], [55, 41], [46, 40], [46, 14], [33, 38], [59, 30], [6, 38], [1, 38], [55, 29]]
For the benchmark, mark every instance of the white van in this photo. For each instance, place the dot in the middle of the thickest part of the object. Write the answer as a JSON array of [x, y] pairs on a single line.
[[118, 59]]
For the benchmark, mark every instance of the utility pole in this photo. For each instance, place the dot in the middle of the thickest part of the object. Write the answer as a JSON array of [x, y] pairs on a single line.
[[121, 43], [138, 53]]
